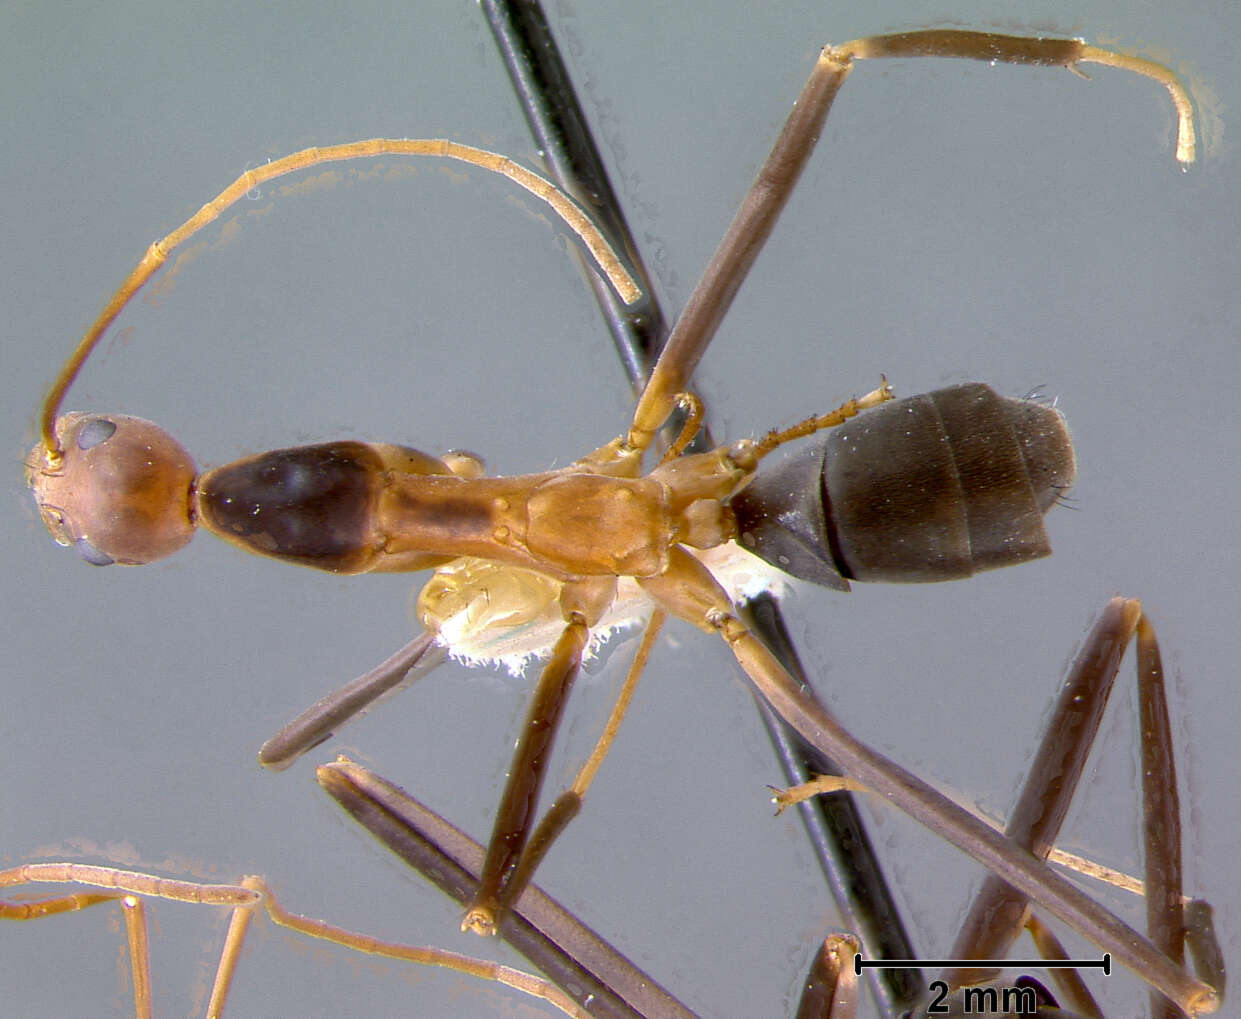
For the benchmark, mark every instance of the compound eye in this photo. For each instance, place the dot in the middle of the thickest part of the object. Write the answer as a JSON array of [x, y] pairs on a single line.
[[94, 431], [91, 554]]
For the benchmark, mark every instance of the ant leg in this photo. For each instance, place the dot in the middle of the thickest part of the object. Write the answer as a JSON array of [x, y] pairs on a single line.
[[688, 590], [129, 886], [569, 803], [740, 246], [134, 910], [554, 940], [997, 915], [525, 778], [778, 176], [1054, 775], [53, 907], [131, 882], [319, 722], [582, 603], [1035, 52]]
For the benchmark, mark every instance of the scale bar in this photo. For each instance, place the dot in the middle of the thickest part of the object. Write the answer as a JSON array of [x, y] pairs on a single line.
[[1104, 964]]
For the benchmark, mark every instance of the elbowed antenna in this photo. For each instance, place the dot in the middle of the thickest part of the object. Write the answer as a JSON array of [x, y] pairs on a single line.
[[158, 252]]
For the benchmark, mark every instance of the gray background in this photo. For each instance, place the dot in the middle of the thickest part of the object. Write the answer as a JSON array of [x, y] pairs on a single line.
[[1027, 228]]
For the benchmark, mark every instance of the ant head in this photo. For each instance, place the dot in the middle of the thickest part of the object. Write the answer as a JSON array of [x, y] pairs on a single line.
[[121, 491]]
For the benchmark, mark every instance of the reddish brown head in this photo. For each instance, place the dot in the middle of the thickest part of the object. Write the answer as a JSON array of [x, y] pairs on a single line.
[[121, 493]]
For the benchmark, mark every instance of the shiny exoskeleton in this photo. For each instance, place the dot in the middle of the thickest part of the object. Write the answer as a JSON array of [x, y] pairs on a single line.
[[933, 487]]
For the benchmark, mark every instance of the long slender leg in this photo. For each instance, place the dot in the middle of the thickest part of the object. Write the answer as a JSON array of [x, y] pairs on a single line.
[[999, 912], [777, 177], [969, 834], [839, 834], [554, 941], [995, 919], [128, 886], [1161, 814], [569, 803], [515, 815], [52, 907], [311, 928], [997, 915], [129, 882], [740, 246], [688, 591], [513, 854], [323, 718], [230, 955], [136, 934]]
